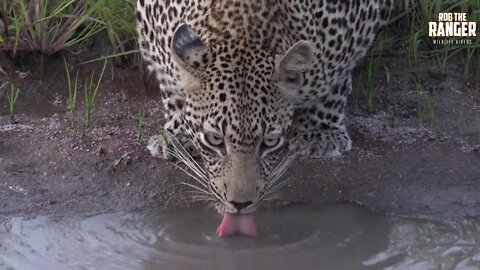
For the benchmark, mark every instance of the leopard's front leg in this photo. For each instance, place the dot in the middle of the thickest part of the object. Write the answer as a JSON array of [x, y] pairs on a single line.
[[173, 133], [319, 130]]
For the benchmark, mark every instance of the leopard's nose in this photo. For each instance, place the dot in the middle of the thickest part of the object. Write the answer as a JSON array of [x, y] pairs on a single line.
[[240, 205]]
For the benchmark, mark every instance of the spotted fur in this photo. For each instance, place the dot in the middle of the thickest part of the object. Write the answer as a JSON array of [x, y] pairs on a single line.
[[251, 82]]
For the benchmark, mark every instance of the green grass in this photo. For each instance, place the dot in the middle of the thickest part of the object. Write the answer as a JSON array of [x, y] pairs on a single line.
[[135, 53], [91, 90], [478, 73], [374, 63], [407, 33], [412, 46], [72, 94], [357, 84], [371, 73], [12, 98], [140, 125], [425, 107], [117, 18], [468, 61], [411, 28], [49, 26]]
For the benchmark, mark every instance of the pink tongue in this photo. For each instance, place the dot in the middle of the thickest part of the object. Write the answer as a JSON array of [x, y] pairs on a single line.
[[233, 224]]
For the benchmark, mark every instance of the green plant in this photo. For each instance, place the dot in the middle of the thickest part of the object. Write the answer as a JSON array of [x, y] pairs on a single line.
[[372, 69], [424, 103], [140, 125], [389, 118], [134, 52], [72, 94], [164, 135], [429, 107], [411, 26], [118, 20], [357, 83], [443, 57], [374, 63], [91, 91], [419, 103], [468, 61], [47, 26], [408, 32], [12, 101], [413, 44], [477, 79]]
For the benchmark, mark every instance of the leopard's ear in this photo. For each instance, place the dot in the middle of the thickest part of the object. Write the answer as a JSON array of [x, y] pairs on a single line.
[[290, 69], [188, 50]]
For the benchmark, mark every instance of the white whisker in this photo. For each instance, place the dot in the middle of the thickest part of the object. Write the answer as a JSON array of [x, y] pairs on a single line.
[[280, 172], [196, 178], [271, 197], [202, 198], [189, 162], [189, 157], [276, 187], [280, 164], [184, 158], [195, 187], [189, 165], [280, 169], [274, 179], [197, 194], [191, 168]]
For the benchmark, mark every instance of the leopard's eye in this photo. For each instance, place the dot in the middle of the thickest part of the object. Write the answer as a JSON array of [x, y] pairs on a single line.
[[271, 141], [214, 139], [293, 78]]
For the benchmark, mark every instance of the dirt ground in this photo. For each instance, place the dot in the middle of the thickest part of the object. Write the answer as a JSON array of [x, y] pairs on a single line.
[[395, 167]]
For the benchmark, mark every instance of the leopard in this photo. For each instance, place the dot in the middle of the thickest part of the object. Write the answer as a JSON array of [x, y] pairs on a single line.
[[253, 85]]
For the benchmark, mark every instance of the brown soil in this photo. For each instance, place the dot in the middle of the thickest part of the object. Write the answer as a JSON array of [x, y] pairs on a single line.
[[396, 167]]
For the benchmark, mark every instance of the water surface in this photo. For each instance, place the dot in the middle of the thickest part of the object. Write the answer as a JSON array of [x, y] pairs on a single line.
[[300, 237]]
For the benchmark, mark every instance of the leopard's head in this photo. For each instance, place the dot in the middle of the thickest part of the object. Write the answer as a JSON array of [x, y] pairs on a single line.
[[239, 106]]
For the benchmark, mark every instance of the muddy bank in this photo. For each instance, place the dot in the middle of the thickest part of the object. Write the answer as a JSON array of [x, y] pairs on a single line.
[[395, 167]]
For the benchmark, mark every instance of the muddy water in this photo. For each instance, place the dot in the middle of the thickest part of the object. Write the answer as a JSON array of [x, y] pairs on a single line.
[[336, 237]]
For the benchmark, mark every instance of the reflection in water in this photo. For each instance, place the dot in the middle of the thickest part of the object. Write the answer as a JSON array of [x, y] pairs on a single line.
[[336, 237]]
